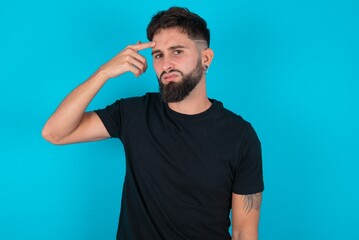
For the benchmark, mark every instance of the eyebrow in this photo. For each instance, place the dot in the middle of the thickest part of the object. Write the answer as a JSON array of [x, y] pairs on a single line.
[[170, 48]]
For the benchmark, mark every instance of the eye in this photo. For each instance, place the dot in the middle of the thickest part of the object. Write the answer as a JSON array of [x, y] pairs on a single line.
[[157, 56], [177, 52]]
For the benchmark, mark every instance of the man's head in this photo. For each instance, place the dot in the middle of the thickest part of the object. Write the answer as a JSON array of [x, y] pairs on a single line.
[[181, 55], [181, 18]]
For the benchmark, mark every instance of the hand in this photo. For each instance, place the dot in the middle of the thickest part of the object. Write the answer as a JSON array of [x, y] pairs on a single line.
[[128, 60]]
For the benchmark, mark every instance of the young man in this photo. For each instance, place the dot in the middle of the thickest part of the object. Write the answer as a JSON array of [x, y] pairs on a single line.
[[189, 161]]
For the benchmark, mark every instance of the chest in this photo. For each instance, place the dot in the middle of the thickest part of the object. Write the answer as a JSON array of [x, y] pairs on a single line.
[[192, 160]]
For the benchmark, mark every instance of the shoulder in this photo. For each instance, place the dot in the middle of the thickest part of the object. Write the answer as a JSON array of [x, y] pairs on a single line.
[[131, 105], [138, 101], [230, 117], [235, 123]]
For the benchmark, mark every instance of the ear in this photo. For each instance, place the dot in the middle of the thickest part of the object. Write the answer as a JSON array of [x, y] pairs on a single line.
[[207, 56]]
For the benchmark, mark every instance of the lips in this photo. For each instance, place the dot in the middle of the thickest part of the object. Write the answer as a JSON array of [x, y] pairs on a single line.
[[170, 76]]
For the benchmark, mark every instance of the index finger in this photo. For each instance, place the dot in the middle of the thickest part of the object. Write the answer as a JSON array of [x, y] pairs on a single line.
[[141, 46]]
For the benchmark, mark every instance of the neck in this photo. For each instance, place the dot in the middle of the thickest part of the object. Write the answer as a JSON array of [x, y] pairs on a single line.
[[196, 102]]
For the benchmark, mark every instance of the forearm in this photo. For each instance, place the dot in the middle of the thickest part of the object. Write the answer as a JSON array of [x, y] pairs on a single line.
[[68, 115]]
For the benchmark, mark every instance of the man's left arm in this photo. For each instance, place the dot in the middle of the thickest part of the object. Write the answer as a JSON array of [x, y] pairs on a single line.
[[245, 216]]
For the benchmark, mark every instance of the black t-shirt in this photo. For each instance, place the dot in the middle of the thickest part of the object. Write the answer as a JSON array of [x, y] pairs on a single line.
[[181, 169]]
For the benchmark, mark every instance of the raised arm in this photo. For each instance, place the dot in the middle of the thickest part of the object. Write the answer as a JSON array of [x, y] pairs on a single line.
[[70, 123], [245, 216]]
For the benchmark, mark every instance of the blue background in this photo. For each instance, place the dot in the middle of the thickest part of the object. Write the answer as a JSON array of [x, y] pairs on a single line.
[[291, 68]]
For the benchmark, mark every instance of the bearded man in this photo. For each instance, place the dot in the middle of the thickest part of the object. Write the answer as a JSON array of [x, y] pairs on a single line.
[[189, 160]]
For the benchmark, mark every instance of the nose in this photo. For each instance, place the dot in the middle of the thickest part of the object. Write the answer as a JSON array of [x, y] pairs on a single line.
[[167, 64]]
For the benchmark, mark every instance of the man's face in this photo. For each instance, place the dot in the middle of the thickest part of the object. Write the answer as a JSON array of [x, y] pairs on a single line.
[[177, 64]]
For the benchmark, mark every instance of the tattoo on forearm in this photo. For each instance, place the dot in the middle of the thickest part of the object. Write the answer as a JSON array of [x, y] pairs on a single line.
[[252, 201]]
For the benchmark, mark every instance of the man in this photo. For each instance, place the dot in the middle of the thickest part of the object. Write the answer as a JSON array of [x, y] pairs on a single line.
[[189, 161]]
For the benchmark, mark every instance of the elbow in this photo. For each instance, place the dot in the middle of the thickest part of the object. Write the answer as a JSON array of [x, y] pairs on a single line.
[[245, 234], [235, 235], [48, 136]]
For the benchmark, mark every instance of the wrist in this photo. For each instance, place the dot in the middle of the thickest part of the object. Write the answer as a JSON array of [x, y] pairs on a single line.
[[102, 75]]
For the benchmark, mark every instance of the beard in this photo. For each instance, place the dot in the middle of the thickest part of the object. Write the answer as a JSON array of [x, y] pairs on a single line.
[[177, 91]]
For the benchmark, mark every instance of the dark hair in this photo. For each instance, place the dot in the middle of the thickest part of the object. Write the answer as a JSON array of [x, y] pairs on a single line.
[[176, 17]]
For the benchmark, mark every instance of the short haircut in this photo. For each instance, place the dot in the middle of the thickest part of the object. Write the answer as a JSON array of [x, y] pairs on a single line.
[[176, 17]]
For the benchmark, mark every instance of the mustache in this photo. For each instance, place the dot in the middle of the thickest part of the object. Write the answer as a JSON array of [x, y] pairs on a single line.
[[171, 71]]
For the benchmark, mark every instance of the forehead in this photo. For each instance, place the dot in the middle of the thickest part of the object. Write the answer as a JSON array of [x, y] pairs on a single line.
[[172, 36]]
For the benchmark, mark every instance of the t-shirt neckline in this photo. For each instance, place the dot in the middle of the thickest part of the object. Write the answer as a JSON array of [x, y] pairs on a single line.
[[200, 115]]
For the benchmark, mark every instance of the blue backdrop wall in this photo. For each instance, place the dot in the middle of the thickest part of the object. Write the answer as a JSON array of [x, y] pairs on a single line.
[[291, 68]]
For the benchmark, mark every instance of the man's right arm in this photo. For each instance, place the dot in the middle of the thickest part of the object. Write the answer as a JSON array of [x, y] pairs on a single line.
[[70, 123]]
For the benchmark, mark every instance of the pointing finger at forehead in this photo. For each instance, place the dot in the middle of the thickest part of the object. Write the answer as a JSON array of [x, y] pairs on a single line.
[[140, 46]]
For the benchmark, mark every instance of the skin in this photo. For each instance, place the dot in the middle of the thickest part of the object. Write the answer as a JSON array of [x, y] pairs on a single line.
[[174, 50], [70, 123], [171, 50], [245, 216]]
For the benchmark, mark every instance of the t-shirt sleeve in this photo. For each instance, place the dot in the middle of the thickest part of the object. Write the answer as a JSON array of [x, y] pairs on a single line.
[[111, 118], [248, 178]]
